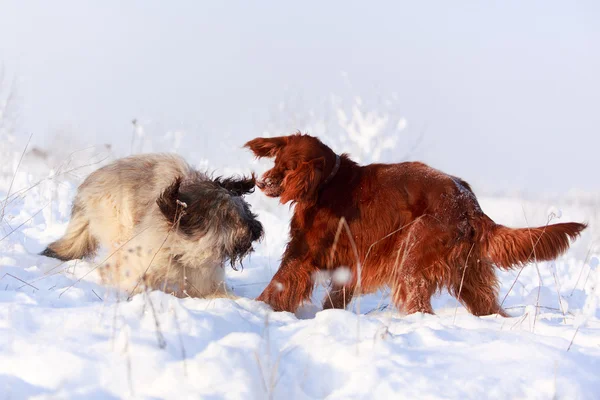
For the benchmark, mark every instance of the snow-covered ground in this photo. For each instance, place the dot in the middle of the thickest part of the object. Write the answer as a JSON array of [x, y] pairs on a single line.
[[63, 335]]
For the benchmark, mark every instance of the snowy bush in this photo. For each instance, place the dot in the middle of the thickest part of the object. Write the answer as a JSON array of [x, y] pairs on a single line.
[[363, 129]]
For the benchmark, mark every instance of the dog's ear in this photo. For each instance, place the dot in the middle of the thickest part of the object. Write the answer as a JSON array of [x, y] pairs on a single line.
[[301, 184], [238, 186], [267, 147], [168, 201]]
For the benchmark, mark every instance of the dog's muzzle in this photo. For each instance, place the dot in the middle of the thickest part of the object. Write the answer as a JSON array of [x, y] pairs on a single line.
[[269, 188], [256, 230], [243, 245]]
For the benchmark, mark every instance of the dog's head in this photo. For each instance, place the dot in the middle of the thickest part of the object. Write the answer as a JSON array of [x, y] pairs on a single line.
[[302, 164], [200, 207]]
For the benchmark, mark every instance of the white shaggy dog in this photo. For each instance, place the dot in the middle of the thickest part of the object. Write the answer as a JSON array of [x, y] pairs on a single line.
[[165, 225]]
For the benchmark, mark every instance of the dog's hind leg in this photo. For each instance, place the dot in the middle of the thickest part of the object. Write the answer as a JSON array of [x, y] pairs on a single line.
[[414, 295], [77, 242], [413, 277], [479, 291]]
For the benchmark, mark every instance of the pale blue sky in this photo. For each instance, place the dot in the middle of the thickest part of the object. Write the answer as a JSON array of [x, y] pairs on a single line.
[[509, 91]]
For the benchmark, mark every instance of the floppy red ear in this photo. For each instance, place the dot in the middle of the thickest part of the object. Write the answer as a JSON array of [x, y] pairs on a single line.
[[301, 184], [266, 147]]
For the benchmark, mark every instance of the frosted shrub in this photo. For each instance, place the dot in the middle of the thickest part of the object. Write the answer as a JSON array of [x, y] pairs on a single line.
[[366, 131], [592, 290], [8, 121], [149, 137]]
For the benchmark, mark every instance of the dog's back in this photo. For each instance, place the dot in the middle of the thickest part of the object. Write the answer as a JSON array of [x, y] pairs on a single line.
[[450, 203], [113, 200]]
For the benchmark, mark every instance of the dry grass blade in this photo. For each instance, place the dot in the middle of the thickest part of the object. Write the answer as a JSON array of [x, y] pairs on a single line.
[[341, 225], [262, 374], [335, 241], [532, 253], [181, 344], [396, 265], [99, 298], [128, 361], [541, 308], [560, 303], [115, 316], [392, 233], [462, 279], [48, 275], [179, 213], [394, 269], [520, 321], [141, 279], [573, 338], [19, 279], [344, 225], [8, 101], [587, 277], [587, 259], [45, 276], [357, 289], [214, 293], [162, 343], [383, 238], [266, 336], [12, 181], [102, 262], [252, 284], [164, 288], [54, 268], [26, 221], [537, 268], [134, 123], [21, 192], [406, 245], [537, 299]]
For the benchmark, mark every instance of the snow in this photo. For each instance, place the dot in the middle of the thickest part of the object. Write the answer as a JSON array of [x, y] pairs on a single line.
[[64, 335]]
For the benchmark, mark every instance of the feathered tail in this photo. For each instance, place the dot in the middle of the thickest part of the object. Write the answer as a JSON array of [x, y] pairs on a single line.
[[508, 247], [76, 243]]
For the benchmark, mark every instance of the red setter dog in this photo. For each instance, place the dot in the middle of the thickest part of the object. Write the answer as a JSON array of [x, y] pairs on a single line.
[[408, 226]]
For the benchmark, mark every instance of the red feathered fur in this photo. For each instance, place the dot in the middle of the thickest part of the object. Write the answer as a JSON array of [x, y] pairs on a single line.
[[406, 226]]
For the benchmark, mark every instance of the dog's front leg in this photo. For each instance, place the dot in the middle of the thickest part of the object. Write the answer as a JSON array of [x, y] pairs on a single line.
[[291, 285]]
